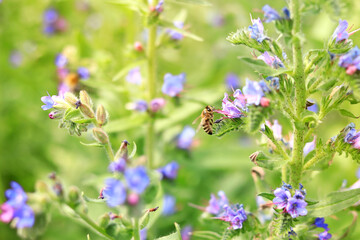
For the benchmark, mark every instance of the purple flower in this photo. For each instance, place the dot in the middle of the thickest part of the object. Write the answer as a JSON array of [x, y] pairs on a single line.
[[49, 102], [175, 35], [186, 232], [114, 192], [134, 76], [313, 108], [264, 86], [83, 72], [159, 7], [351, 136], [350, 59], [119, 165], [229, 108], [296, 207], [240, 100], [7, 213], [62, 89], [235, 216], [140, 106], [168, 205], [310, 146], [50, 16], [325, 235], [137, 179], [25, 217], [281, 197], [173, 84], [253, 92], [170, 170], [274, 62], [277, 129], [185, 138], [320, 222], [143, 234], [232, 81], [257, 30], [270, 14], [15, 58], [216, 206], [274, 82], [340, 32], [156, 104], [61, 61], [15, 195], [286, 12]]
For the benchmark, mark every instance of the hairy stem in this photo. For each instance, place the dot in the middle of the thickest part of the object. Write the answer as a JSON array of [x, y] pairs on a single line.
[[109, 151], [136, 229], [300, 96], [314, 160]]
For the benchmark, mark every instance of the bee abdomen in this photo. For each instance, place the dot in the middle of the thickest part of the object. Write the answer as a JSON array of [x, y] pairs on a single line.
[[207, 126]]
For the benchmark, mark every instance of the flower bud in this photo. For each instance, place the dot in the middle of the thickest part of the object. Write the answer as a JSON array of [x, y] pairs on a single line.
[[85, 98], [55, 114], [101, 115], [264, 102], [87, 110], [157, 104], [123, 150], [133, 199], [71, 99], [104, 220], [138, 46], [100, 136], [74, 195]]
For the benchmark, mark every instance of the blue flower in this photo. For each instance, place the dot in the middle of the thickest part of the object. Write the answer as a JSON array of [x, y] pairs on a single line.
[[25, 217], [83, 72], [216, 206], [15, 195], [170, 170], [351, 136], [313, 108], [134, 76], [185, 139], [232, 81], [137, 179], [324, 236], [240, 100], [118, 165], [320, 222], [173, 84], [253, 92], [175, 35], [159, 7], [168, 205], [281, 197], [50, 16], [340, 32], [274, 82], [270, 14], [140, 106], [143, 234], [310, 146], [257, 30], [296, 207], [61, 61], [235, 216], [156, 104], [347, 59], [264, 86], [232, 109], [186, 232], [274, 62], [114, 192], [49, 102], [286, 12]]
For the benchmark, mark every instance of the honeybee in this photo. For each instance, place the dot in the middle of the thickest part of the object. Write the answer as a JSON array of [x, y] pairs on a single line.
[[207, 119]]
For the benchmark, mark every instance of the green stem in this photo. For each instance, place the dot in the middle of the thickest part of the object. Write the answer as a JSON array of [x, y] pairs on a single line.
[[315, 85], [300, 96], [314, 160], [136, 229], [109, 151], [284, 173], [151, 86]]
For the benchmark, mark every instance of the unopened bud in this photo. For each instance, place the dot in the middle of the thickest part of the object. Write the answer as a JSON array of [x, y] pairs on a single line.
[[264, 102], [71, 99], [58, 189], [100, 136], [133, 199], [104, 220], [41, 187], [138, 46], [74, 194], [123, 150], [87, 110], [55, 114], [85, 98], [101, 115]]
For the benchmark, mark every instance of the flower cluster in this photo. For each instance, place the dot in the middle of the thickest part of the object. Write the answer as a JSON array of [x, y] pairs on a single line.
[[351, 61], [293, 205], [352, 136], [142, 106], [257, 30], [15, 208], [185, 139], [216, 205], [320, 222], [274, 62], [341, 33], [173, 84], [271, 14], [53, 22]]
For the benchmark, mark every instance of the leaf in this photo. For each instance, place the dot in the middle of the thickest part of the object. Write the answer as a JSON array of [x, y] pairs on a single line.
[[71, 113], [133, 152], [227, 125], [173, 236], [346, 113], [311, 202], [261, 160], [261, 67], [95, 200], [269, 196], [193, 2], [94, 144], [334, 203], [80, 121], [127, 68]]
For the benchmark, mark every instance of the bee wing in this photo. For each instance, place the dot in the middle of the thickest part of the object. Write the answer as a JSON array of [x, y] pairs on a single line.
[[196, 119]]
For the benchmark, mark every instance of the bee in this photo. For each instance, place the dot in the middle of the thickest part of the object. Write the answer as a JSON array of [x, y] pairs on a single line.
[[207, 119]]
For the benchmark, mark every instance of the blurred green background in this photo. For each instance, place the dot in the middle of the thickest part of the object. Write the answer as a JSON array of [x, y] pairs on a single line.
[[32, 145]]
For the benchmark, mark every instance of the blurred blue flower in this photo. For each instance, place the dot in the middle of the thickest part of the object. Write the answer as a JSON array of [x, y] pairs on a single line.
[[274, 62], [15, 195], [49, 102], [324, 235], [281, 197], [25, 217], [340, 32], [156, 104], [137, 179], [240, 100], [185, 138], [119, 165], [313, 108], [274, 82], [173, 84], [270, 14], [143, 234], [347, 59], [159, 7], [264, 86], [257, 30], [61, 61], [168, 205], [50, 16], [134, 76], [320, 222], [296, 207], [140, 106], [216, 206], [175, 35], [253, 92], [83, 72], [310, 146], [114, 192], [186, 232], [232, 81], [235, 216], [170, 170], [286, 12]]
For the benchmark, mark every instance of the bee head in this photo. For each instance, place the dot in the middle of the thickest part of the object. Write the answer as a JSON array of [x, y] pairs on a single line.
[[208, 108]]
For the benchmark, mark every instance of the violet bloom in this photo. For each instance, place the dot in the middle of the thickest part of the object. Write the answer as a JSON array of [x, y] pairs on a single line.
[[351, 136], [232, 81], [170, 170], [156, 104], [50, 17], [49, 102], [253, 92], [168, 205], [61, 61], [320, 222], [274, 62], [119, 165], [175, 35], [286, 12], [185, 139], [281, 197], [240, 100], [114, 192], [296, 207], [313, 108], [340, 32], [137, 179], [159, 7], [235, 217], [270, 14], [83, 72], [324, 235], [216, 206], [134, 76], [264, 86], [143, 234], [229, 108], [173, 84], [257, 30], [186, 232], [139, 106], [351, 61], [310, 146]]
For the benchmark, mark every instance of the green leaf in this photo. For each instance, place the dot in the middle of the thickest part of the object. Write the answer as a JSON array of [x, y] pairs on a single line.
[[71, 113], [81, 121], [95, 200], [227, 125], [144, 220], [94, 144], [261, 67], [269, 196], [346, 113], [334, 203], [133, 152], [173, 236], [311, 202], [124, 71], [193, 2]]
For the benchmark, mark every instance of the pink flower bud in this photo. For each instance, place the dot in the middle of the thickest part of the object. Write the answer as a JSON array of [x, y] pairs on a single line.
[[7, 213], [264, 102], [351, 70], [138, 46], [133, 199], [157, 104]]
